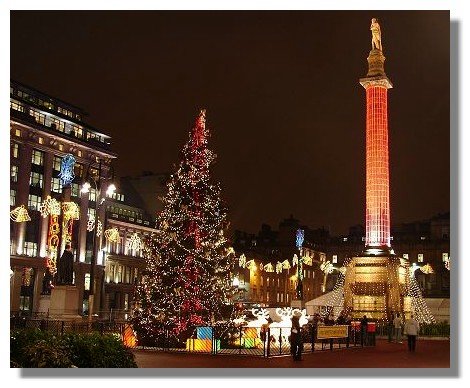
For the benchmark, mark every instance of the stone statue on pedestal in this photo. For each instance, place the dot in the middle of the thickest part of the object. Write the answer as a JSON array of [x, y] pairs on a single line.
[[65, 267], [376, 35]]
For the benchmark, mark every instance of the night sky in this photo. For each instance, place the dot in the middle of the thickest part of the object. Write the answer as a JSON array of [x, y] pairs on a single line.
[[284, 106]]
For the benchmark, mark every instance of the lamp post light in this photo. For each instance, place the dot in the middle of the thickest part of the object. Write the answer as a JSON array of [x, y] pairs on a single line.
[[98, 183]]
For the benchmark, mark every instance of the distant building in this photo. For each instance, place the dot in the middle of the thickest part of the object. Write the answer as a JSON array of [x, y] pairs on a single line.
[[147, 190], [261, 283], [421, 242]]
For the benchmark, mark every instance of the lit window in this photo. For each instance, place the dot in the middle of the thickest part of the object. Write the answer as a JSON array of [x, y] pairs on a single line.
[[77, 131], [56, 185], [40, 140], [79, 153], [61, 147], [37, 157], [78, 169], [15, 150], [405, 256], [345, 239], [18, 132], [39, 117], [34, 202], [75, 192], [335, 259], [420, 257], [57, 124], [12, 197], [14, 173], [16, 106], [56, 163], [91, 213], [30, 248], [423, 238], [36, 179], [87, 282], [92, 194], [445, 256]]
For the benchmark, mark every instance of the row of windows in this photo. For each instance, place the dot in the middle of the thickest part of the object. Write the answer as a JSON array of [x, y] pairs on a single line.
[[42, 102], [445, 257], [118, 197], [56, 123], [118, 273], [124, 212]]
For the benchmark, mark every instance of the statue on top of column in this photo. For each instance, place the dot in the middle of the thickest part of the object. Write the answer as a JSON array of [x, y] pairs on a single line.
[[376, 34]]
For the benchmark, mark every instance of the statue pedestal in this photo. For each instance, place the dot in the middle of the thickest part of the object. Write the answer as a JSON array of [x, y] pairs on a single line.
[[44, 303], [297, 304], [64, 303]]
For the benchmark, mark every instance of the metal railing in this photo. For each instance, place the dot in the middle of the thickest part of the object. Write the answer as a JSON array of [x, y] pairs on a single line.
[[243, 341]]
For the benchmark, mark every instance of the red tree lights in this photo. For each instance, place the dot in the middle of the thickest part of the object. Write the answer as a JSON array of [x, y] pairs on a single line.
[[188, 264]]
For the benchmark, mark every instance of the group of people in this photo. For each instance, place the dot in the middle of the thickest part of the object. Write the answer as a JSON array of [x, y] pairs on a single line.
[[410, 328]]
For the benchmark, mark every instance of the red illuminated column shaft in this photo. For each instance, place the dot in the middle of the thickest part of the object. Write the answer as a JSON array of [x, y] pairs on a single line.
[[377, 168]]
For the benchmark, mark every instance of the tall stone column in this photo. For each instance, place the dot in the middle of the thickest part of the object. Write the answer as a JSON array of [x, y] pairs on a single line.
[[376, 85], [82, 231], [24, 172]]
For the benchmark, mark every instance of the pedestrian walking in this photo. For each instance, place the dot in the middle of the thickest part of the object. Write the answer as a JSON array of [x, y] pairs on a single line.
[[296, 337], [397, 324], [411, 331]]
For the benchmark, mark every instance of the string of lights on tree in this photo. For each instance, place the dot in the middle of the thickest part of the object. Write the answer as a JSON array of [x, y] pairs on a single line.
[[188, 274]]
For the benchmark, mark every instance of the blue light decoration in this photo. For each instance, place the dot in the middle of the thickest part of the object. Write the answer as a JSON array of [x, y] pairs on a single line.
[[299, 238], [66, 173]]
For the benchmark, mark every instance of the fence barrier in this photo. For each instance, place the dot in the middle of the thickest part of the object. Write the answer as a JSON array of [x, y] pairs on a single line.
[[243, 341]]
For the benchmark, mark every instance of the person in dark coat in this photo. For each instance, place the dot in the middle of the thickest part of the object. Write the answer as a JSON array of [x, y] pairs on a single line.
[[364, 331], [65, 267], [296, 338]]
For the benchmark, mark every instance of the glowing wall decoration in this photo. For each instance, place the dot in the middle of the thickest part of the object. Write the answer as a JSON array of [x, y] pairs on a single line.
[[66, 173], [20, 214], [112, 235], [135, 243], [70, 212], [53, 242], [49, 206]]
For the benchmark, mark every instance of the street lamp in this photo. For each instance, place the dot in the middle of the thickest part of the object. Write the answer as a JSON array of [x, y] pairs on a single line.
[[98, 182]]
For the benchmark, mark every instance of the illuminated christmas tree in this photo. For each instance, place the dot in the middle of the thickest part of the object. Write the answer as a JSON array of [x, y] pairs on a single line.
[[187, 278]]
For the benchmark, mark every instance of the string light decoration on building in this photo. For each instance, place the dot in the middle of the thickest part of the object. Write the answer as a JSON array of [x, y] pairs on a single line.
[[135, 243], [90, 225], [49, 206], [66, 174], [20, 214], [112, 235], [53, 242], [70, 212], [447, 264], [188, 274]]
